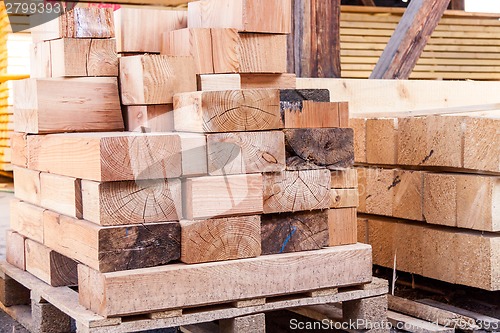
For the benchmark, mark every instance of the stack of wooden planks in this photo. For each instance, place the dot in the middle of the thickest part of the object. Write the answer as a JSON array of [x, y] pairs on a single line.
[[463, 46], [429, 179], [227, 175]]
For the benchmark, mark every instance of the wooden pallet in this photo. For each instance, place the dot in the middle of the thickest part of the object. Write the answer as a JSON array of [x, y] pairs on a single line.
[[50, 305]]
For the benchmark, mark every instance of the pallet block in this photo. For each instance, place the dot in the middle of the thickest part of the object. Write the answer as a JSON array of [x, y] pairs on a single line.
[[220, 239], [266, 16], [111, 156], [67, 105], [66, 301], [115, 298], [155, 79]]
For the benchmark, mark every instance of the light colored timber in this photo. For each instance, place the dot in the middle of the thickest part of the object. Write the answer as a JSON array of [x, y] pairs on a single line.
[[19, 146], [109, 294], [382, 97], [218, 196], [81, 22], [131, 202], [73, 57], [116, 248], [109, 156], [244, 15], [344, 178], [359, 127], [343, 198], [220, 239], [227, 111], [217, 82], [61, 194], [149, 118], [437, 253], [481, 144], [268, 81], [14, 249], [40, 60], [430, 313], [27, 185], [27, 220], [194, 150], [153, 22], [416, 325], [460, 200], [196, 43], [342, 226], [245, 152], [155, 79], [292, 191], [259, 53], [294, 232], [381, 141], [67, 105], [50, 266]]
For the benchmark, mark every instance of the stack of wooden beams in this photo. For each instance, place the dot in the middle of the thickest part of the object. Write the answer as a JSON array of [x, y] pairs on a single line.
[[437, 178], [216, 182]]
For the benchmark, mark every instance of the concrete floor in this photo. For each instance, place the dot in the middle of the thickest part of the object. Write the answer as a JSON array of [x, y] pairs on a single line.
[[7, 325]]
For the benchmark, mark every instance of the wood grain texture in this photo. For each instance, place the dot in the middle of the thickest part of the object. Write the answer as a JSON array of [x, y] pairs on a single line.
[[312, 115], [218, 196], [67, 105], [14, 249], [245, 152], [430, 141], [40, 60], [27, 220], [446, 254], [407, 200], [343, 198], [267, 16], [217, 82], [409, 39], [344, 178], [27, 185], [319, 147], [381, 141], [314, 45], [196, 43], [292, 191], [359, 127], [108, 249], [342, 226], [155, 79], [61, 194], [262, 53], [111, 294], [268, 81], [50, 266], [300, 231], [220, 239], [149, 118], [73, 57], [481, 144], [19, 146], [107, 156], [227, 111], [153, 22], [132, 202], [194, 154], [80, 22]]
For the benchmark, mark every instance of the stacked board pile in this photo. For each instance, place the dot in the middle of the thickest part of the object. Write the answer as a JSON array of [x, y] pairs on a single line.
[[437, 180], [216, 183], [5, 112]]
